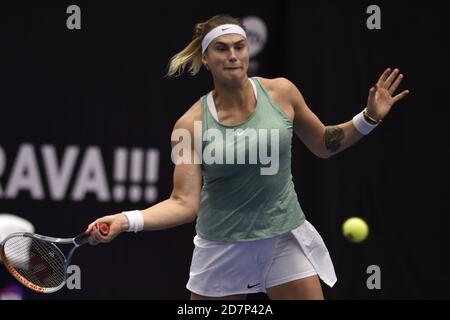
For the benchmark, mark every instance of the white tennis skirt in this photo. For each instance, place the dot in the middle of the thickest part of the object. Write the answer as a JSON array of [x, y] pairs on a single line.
[[228, 268]]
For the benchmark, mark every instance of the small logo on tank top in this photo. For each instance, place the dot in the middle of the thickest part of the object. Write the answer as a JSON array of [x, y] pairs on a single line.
[[253, 285]]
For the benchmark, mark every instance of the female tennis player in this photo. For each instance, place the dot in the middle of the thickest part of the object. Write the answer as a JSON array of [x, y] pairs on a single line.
[[252, 235]]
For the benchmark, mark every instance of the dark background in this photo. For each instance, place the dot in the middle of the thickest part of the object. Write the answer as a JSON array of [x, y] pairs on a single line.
[[104, 86]]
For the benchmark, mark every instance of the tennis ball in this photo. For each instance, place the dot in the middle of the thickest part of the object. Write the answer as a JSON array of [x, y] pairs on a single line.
[[355, 229]]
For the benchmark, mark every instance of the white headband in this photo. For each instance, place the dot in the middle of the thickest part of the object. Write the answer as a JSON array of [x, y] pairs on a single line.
[[220, 31]]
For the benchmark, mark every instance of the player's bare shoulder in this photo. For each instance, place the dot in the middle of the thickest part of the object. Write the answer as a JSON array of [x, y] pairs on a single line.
[[187, 120], [277, 86]]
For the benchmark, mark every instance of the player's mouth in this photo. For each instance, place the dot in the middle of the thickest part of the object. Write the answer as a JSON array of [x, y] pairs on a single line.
[[233, 68]]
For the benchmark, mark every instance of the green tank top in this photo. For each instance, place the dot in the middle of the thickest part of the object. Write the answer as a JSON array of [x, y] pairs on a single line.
[[253, 197]]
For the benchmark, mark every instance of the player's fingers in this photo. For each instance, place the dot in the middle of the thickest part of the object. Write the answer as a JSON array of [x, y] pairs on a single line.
[[99, 237], [396, 83], [391, 78], [92, 241], [90, 227], [383, 76], [401, 96], [99, 230], [95, 238], [97, 223]]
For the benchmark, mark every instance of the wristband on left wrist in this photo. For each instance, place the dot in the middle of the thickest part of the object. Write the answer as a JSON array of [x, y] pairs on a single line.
[[370, 119]]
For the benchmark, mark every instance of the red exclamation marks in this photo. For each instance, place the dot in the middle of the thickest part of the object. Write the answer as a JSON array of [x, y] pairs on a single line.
[[120, 173], [152, 168], [136, 176]]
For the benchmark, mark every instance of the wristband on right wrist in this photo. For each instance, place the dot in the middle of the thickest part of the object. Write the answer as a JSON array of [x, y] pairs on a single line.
[[135, 220]]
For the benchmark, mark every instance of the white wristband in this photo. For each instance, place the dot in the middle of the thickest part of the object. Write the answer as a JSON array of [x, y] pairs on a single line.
[[135, 220], [362, 125]]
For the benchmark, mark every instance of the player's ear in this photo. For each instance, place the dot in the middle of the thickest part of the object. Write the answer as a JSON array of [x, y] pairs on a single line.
[[204, 59]]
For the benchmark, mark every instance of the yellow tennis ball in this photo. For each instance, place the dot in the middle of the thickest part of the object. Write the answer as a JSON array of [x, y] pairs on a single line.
[[355, 229]]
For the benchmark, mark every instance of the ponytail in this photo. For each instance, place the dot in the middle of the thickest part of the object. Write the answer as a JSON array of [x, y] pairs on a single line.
[[190, 57]]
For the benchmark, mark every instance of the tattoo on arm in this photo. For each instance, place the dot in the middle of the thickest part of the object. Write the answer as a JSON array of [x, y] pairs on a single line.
[[333, 137]]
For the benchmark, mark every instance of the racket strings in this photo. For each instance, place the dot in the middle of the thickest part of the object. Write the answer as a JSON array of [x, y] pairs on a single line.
[[37, 261]]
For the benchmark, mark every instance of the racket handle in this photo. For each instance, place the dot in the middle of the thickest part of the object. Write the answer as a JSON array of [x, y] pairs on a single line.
[[104, 229]]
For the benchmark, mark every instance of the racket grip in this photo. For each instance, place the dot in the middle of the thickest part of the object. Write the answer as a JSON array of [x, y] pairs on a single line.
[[104, 229]]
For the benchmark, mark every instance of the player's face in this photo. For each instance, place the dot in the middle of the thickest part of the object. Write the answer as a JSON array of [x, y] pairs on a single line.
[[227, 57]]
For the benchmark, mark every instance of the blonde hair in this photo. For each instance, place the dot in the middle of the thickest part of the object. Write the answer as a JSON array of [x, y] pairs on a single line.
[[191, 56]]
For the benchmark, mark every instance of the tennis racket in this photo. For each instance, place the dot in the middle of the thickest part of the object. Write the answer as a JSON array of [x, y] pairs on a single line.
[[37, 262]]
